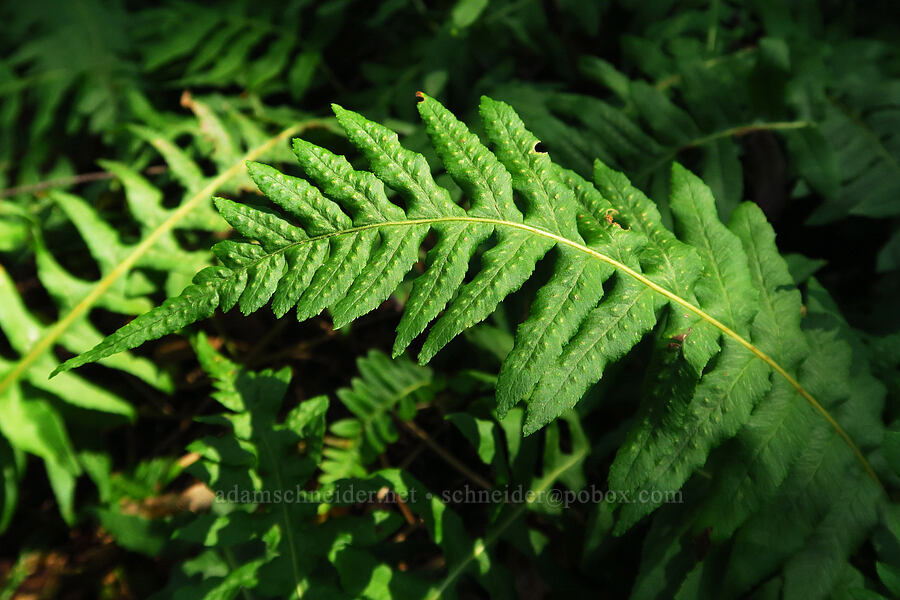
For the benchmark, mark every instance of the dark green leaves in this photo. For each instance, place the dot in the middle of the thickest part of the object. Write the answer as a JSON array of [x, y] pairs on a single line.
[[721, 293]]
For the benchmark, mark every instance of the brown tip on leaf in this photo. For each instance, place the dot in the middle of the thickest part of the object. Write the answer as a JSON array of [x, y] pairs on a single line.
[[420, 96], [186, 99]]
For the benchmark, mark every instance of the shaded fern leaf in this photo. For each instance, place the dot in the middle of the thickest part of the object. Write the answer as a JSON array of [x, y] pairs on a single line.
[[126, 285], [673, 438], [259, 48], [267, 539], [384, 389]]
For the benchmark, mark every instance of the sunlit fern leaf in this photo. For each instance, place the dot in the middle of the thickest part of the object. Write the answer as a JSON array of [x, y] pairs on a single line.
[[351, 246], [662, 451], [351, 261]]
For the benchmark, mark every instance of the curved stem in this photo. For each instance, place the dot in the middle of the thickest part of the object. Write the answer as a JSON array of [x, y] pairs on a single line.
[[736, 131], [72, 180], [481, 546], [80, 309], [446, 456], [675, 79], [622, 268]]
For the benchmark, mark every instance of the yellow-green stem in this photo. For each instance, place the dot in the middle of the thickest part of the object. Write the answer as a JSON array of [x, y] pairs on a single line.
[[80, 309], [638, 276]]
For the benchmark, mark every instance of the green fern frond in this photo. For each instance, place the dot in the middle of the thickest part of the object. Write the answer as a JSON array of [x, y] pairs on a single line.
[[274, 545], [260, 49], [784, 458], [352, 247], [852, 157], [258, 454], [385, 389], [557, 464], [124, 286]]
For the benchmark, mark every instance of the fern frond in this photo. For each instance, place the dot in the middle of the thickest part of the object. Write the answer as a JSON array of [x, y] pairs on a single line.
[[557, 465], [385, 389], [256, 48], [123, 287], [658, 457], [352, 246], [648, 130], [784, 458], [264, 527], [259, 454], [852, 158]]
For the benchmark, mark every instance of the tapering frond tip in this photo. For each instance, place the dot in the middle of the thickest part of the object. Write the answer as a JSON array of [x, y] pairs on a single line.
[[72, 363], [680, 171], [338, 110], [487, 103]]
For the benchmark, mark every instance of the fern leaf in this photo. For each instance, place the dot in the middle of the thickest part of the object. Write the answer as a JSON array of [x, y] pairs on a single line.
[[783, 458], [275, 546], [352, 246], [663, 450], [771, 436], [724, 288], [478, 172], [666, 260], [384, 388]]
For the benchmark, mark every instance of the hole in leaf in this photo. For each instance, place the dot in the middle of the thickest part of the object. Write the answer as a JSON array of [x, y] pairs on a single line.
[[539, 148]]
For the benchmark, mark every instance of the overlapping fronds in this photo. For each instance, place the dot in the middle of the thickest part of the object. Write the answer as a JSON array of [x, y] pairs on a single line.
[[721, 301], [262, 49], [384, 391], [262, 535], [127, 269]]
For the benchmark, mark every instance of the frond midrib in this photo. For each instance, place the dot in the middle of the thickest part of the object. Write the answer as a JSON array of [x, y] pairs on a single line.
[[578, 246]]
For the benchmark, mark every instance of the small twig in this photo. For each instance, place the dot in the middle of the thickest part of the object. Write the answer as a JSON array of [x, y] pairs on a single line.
[[72, 180], [448, 458]]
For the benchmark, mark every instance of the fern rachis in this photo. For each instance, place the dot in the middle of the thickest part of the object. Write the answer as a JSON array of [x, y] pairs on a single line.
[[354, 246]]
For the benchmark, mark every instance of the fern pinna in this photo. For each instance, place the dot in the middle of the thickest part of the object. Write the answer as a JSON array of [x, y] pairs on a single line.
[[726, 309]]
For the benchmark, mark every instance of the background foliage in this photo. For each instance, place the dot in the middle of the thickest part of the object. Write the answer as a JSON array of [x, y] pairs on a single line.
[[120, 120]]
